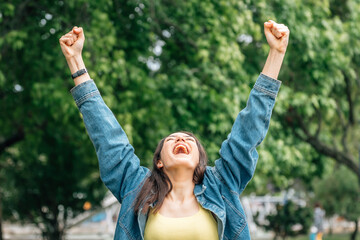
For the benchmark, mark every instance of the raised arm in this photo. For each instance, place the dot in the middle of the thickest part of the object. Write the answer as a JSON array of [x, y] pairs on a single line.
[[277, 36], [119, 166], [238, 152], [71, 45]]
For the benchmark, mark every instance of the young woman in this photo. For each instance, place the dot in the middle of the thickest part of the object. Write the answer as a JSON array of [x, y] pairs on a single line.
[[181, 198]]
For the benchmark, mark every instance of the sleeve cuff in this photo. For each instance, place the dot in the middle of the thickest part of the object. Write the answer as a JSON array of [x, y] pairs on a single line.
[[84, 91], [267, 85]]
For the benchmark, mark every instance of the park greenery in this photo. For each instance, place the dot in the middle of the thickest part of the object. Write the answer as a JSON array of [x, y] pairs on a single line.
[[339, 193], [164, 66], [289, 220]]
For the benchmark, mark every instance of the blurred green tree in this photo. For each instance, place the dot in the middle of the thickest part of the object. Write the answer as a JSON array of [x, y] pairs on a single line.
[[339, 193], [322, 96], [315, 116], [47, 170], [289, 220]]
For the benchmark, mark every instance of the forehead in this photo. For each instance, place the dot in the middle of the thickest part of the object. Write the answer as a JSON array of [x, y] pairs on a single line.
[[179, 134]]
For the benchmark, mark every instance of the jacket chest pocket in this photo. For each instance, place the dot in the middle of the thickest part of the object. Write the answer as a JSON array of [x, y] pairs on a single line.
[[235, 221]]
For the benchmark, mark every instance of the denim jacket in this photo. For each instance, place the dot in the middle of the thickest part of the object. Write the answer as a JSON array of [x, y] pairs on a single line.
[[223, 183]]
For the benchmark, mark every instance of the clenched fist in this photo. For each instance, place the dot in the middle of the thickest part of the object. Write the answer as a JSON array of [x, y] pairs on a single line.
[[72, 43], [277, 35]]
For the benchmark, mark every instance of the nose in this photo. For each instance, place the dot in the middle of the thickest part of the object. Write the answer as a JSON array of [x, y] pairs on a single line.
[[180, 138]]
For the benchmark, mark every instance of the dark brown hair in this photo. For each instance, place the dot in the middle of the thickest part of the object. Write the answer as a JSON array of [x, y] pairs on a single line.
[[158, 184]]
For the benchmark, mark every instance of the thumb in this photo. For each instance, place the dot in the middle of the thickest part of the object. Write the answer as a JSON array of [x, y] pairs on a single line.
[[79, 31]]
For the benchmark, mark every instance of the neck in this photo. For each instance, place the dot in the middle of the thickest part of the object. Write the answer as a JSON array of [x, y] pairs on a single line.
[[183, 186]]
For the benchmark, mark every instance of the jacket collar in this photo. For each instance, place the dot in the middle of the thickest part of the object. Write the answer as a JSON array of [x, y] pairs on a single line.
[[199, 189]]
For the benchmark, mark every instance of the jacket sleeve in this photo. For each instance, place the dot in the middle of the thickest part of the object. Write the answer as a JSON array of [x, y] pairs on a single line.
[[238, 155], [120, 168]]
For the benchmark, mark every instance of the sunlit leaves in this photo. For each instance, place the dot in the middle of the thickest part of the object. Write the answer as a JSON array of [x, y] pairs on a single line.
[[339, 194]]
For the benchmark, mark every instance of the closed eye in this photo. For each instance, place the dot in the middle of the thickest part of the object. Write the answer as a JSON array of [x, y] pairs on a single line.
[[173, 138]]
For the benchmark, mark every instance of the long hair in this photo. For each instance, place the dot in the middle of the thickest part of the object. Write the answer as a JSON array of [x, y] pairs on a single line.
[[158, 185]]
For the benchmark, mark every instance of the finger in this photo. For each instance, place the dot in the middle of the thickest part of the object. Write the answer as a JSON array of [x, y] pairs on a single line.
[[273, 22], [75, 30], [80, 32], [71, 35], [63, 39], [279, 30], [276, 25], [267, 27], [64, 44], [70, 32], [283, 31], [61, 42], [276, 33], [268, 24], [67, 41], [74, 37]]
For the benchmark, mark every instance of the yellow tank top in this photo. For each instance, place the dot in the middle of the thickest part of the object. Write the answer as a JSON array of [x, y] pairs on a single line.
[[201, 226]]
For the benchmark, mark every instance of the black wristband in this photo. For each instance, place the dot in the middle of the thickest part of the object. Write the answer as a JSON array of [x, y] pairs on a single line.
[[79, 73]]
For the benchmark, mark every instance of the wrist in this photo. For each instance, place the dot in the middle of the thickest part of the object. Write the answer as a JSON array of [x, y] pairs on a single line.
[[277, 53], [74, 58], [273, 63], [75, 63]]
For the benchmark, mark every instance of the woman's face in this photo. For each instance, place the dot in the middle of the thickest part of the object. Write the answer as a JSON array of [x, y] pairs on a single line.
[[179, 150]]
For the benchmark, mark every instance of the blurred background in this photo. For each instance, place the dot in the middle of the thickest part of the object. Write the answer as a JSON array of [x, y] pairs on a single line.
[[164, 66]]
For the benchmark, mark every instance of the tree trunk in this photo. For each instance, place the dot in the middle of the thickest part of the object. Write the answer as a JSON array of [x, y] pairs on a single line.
[[54, 235], [331, 227], [353, 235], [276, 236], [53, 230]]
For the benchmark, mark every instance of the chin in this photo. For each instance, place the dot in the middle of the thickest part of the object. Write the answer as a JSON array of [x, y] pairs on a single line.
[[185, 161]]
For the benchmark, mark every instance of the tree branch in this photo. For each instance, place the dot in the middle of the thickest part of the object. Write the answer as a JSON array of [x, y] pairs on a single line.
[[349, 99], [319, 118], [344, 126], [341, 157], [17, 137]]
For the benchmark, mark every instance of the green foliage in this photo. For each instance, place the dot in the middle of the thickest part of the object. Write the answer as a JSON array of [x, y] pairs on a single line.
[[316, 114], [290, 219], [339, 193]]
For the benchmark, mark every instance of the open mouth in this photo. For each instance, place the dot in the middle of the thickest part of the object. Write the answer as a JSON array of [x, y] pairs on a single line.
[[181, 148]]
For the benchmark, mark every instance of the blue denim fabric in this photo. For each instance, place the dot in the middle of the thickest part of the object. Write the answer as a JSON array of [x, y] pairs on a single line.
[[219, 192]]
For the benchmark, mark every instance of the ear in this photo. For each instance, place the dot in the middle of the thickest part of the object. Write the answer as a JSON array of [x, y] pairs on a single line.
[[159, 164]]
